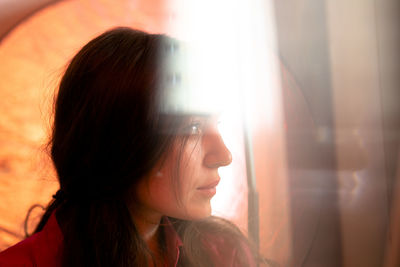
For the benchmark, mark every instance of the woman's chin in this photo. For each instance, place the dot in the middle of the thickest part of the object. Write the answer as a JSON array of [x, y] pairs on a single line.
[[200, 214]]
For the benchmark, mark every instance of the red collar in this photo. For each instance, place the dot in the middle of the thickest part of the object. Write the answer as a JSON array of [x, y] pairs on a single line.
[[173, 242], [54, 237]]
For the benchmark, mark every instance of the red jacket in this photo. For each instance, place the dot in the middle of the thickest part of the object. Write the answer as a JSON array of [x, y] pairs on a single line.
[[44, 249]]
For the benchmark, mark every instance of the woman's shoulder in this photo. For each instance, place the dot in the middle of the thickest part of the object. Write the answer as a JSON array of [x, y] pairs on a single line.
[[227, 252], [227, 245], [20, 254], [40, 249]]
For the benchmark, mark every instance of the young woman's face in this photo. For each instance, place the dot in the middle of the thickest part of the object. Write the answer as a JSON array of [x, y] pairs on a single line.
[[184, 183]]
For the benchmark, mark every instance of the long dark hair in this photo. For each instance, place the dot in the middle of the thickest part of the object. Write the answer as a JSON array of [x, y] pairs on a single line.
[[109, 132]]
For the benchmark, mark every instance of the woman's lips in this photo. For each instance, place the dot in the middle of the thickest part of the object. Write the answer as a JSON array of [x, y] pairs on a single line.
[[209, 190], [210, 185]]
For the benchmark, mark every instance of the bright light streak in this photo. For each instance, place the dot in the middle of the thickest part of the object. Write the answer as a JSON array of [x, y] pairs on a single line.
[[229, 55], [229, 66]]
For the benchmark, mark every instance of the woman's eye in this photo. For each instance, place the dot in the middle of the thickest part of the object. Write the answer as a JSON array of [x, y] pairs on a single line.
[[195, 128]]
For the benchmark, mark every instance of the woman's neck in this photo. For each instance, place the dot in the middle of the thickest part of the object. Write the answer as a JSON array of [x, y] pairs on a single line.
[[148, 229], [148, 226]]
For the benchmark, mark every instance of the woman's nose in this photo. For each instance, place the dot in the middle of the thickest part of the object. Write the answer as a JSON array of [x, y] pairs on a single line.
[[216, 152]]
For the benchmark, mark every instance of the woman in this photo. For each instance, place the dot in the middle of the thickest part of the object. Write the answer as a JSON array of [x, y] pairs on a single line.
[[135, 178]]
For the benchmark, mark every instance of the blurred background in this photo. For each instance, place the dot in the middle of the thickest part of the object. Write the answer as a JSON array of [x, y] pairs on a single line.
[[311, 94]]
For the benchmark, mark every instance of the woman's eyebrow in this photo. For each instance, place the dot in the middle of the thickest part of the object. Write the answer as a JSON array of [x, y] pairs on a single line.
[[205, 120], [208, 117]]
